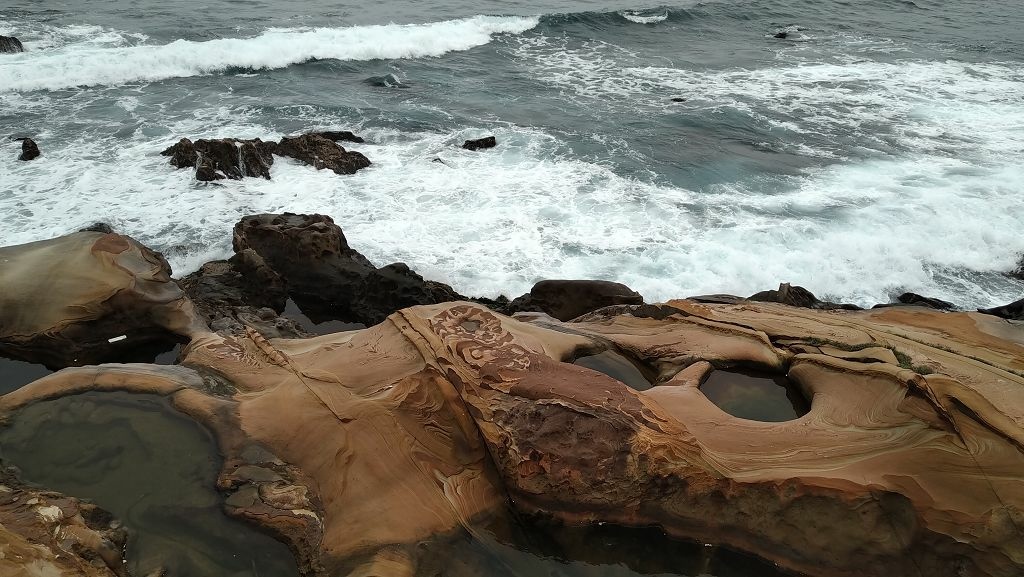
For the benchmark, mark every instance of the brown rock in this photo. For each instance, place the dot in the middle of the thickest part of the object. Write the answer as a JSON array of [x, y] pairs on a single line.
[[568, 299], [337, 135], [321, 152], [223, 158], [797, 296]]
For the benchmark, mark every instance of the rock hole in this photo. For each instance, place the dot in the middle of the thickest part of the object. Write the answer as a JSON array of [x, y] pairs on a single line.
[[755, 396]]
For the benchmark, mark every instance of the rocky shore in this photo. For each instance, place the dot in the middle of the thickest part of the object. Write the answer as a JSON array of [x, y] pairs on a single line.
[[448, 417]]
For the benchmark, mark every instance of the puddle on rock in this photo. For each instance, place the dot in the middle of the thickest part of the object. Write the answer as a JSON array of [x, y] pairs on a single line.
[[617, 367], [16, 374], [154, 469], [755, 396], [293, 312]]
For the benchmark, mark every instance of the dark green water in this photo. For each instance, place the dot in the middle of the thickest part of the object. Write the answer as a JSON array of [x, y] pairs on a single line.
[[758, 397], [154, 469]]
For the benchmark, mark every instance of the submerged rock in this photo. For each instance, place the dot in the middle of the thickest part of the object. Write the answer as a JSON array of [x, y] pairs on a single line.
[[223, 158], [327, 278], [480, 143], [321, 152], [29, 149], [568, 299], [10, 44]]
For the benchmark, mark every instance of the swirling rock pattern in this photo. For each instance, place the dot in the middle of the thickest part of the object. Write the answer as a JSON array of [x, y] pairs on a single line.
[[356, 447]]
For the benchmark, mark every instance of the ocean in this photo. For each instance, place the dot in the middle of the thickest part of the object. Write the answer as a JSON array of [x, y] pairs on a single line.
[[680, 149]]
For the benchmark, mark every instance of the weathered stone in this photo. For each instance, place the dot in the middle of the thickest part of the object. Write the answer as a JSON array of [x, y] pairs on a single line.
[[9, 44], [223, 158], [1012, 311], [568, 299], [339, 135], [29, 149], [321, 152], [797, 296]]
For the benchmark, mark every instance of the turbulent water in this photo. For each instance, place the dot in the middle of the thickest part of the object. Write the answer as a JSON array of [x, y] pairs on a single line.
[[877, 148]]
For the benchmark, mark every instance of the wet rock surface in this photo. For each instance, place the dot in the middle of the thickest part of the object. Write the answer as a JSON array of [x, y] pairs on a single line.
[[322, 152], [10, 44], [480, 143], [223, 158], [29, 149]]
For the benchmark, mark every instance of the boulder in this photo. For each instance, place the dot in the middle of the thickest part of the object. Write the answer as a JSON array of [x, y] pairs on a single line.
[[1013, 311], [339, 135], [797, 296], [321, 152], [568, 299], [223, 158], [479, 143], [914, 299], [88, 297], [29, 149], [9, 44], [328, 279]]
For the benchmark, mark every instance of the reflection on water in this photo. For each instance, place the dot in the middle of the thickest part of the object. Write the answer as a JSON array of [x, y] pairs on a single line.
[[617, 367], [154, 469], [324, 327], [758, 397]]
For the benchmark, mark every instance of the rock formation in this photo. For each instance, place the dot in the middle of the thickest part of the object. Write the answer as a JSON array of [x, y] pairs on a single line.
[[797, 296], [9, 44], [43, 533], [480, 143], [1013, 311], [29, 149], [85, 298], [322, 152], [568, 299], [339, 135], [223, 158], [362, 449]]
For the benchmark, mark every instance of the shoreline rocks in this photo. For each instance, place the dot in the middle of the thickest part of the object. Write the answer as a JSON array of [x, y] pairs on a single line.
[[480, 143], [29, 149], [321, 152]]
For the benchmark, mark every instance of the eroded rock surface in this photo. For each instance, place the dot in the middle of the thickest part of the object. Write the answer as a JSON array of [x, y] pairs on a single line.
[[85, 298], [10, 44], [223, 158], [326, 277], [320, 151]]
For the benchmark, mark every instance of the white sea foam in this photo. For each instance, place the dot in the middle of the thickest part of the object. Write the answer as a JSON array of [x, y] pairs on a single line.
[[91, 63], [642, 18]]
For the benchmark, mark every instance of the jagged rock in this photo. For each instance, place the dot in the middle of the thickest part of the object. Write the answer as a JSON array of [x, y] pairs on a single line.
[[915, 299], [336, 135], [242, 291], [568, 299], [29, 149], [797, 296], [327, 278], [88, 297], [480, 143], [889, 473], [44, 533], [10, 44], [223, 158], [1012, 311], [321, 152]]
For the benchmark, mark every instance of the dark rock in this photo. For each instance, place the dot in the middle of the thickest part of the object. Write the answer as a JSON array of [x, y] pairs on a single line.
[[486, 142], [98, 227], [678, 99], [1019, 271], [223, 158], [915, 299], [781, 34], [321, 152], [241, 291], [798, 296], [720, 299], [29, 149], [1013, 311], [568, 299], [10, 44], [326, 278], [338, 135]]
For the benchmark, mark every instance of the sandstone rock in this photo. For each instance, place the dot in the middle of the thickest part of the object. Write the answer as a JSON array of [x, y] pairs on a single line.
[[327, 278], [10, 44], [797, 296], [321, 152], [889, 473], [46, 533], [29, 149], [223, 158], [480, 143], [568, 299], [88, 297]]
